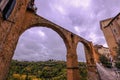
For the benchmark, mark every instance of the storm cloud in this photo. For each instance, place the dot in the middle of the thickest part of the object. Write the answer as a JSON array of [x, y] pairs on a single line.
[[81, 17]]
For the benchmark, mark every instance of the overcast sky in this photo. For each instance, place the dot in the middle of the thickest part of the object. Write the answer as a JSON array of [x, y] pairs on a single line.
[[81, 17]]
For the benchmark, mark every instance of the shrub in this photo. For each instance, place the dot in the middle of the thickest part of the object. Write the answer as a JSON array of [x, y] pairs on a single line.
[[103, 59], [117, 64], [108, 65], [16, 76]]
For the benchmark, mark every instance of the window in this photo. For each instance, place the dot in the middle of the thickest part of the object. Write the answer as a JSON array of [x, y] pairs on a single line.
[[6, 7], [115, 31], [3, 4]]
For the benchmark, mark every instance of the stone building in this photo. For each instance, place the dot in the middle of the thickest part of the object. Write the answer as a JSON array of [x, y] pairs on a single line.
[[111, 30], [101, 50]]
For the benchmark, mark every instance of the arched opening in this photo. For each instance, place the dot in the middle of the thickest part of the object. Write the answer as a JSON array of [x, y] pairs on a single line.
[[82, 61], [43, 55]]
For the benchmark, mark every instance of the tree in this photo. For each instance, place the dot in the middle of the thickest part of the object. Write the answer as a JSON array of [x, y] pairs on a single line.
[[104, 60]]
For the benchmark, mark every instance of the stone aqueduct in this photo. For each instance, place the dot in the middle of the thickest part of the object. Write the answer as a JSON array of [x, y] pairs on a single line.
[[22, 19]]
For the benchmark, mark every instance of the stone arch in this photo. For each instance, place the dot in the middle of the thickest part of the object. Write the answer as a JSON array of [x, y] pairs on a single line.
[[38, 21], [87, 49], [13, 35], [90, 62]]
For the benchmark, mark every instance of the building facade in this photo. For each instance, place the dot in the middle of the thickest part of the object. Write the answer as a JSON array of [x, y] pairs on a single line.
[[101, 50], [111, 30]]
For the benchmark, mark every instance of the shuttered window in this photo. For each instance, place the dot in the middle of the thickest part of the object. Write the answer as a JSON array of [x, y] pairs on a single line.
[[6, 7], [3, 4]]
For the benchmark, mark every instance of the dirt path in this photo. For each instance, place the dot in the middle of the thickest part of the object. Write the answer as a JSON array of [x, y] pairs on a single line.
[[107, 74]]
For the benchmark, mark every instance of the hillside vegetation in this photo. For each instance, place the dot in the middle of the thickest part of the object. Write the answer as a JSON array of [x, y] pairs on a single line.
[[42, 70]]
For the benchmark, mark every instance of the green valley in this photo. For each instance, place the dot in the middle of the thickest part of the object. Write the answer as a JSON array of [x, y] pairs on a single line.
[[42, 70]]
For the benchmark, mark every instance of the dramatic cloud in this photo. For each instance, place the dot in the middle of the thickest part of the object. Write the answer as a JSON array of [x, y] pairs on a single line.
[[81, 17]]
